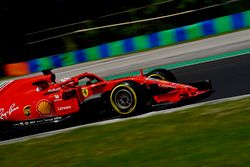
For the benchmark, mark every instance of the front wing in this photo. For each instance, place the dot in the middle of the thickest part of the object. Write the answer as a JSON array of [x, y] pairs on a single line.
[[204, 89]]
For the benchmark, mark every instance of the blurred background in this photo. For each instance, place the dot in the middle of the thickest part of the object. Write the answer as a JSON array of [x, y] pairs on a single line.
[[32, 29]]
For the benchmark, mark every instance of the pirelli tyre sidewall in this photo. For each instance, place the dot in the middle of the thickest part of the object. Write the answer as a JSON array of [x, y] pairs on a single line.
[[162, 74], [125, 98]]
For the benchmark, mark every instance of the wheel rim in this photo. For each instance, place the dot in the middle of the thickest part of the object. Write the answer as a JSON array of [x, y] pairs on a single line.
[[157, 76], [123, 99]]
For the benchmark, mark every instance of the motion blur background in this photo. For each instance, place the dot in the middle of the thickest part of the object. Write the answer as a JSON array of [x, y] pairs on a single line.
[[32, 29]]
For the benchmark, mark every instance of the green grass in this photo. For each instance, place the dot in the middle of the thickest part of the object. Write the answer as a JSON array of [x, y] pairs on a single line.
[[211, 135]]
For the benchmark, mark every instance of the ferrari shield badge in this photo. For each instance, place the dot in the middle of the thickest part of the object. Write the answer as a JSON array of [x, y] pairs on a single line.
[[26, 110], [85, 92]]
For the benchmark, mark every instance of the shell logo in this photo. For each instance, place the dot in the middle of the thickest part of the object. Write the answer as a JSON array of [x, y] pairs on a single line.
[[44, 107]]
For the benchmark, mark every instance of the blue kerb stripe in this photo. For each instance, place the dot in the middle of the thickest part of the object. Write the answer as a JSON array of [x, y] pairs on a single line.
[[208, 27], [180, 34], [56, 61], [104, 50], [238, 21], [128, 45], [33, 66], [154, 40], [80, 56]]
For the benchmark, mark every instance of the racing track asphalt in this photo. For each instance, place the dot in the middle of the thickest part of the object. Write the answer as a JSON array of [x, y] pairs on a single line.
[[230, 76], [160, 56]]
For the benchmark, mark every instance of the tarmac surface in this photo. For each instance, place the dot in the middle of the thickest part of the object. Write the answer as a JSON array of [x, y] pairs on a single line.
[[230, 77]]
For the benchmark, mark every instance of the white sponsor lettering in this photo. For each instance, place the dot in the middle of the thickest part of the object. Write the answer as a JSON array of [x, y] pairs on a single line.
[[168, 85], [64, 108], [57, 96], [53, 90], [4, 115]]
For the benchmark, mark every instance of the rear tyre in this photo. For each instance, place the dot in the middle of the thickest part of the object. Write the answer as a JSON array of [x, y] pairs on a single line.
[[125, 98], [162, 74]]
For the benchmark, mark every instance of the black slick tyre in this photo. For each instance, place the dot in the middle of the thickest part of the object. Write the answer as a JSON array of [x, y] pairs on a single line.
[[162, 74], [125, 98]]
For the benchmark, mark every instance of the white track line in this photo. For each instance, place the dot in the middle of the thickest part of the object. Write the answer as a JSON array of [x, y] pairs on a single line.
[[46, 134]]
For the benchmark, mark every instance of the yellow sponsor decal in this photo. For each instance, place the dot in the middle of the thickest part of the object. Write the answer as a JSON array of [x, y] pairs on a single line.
[[44, 107], [85, 92], [27, 110]]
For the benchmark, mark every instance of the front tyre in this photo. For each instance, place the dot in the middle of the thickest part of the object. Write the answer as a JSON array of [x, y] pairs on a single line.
[[124, 98], [162, 74]]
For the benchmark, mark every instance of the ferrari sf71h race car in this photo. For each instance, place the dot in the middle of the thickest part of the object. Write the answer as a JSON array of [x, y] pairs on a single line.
[[40, 99]]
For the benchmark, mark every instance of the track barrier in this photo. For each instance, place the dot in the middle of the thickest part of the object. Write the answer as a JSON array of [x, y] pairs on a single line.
[[139, 43]]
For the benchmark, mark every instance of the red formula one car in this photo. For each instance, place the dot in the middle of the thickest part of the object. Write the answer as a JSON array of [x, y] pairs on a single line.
[[40, 99]]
